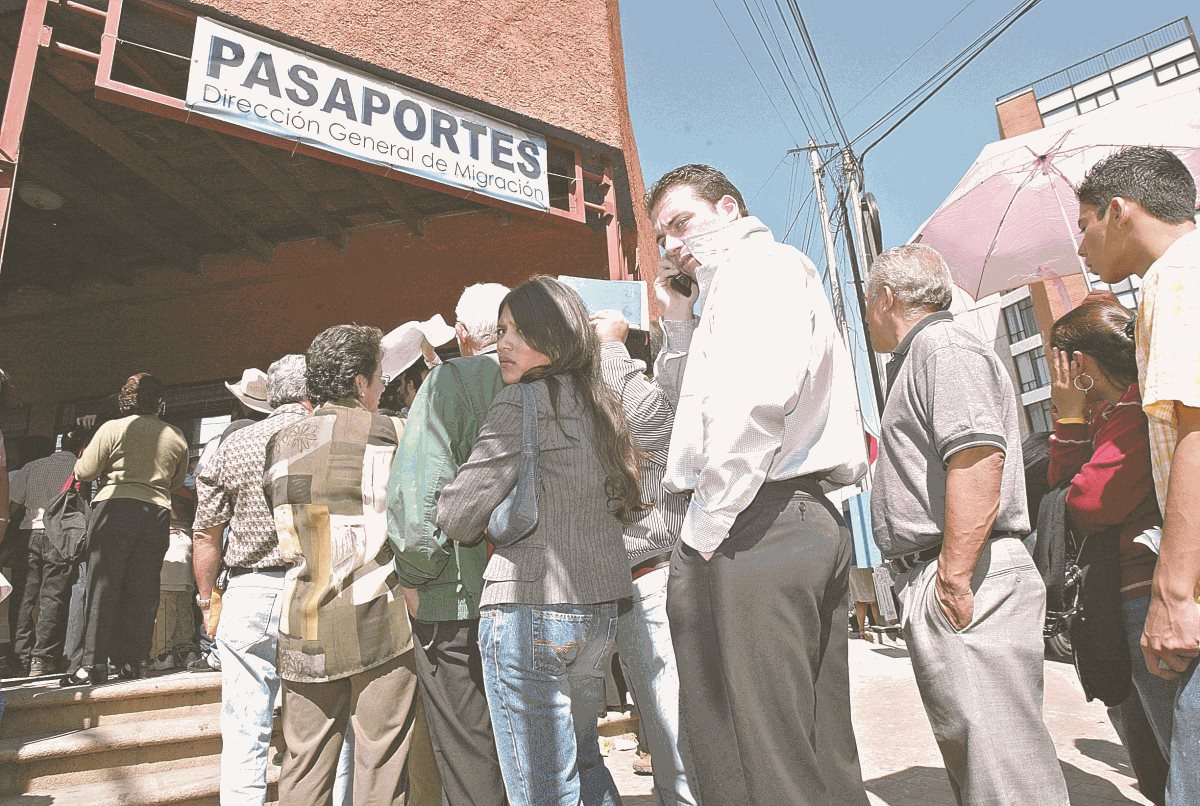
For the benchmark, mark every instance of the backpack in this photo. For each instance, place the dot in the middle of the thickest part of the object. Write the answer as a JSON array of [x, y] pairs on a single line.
[[66, 523]]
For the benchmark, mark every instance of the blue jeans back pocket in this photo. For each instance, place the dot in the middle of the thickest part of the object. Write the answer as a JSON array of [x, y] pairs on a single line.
[[558, 638]]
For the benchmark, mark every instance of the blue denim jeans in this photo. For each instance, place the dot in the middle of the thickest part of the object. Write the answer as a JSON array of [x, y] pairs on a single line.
[[644, 644], [1183, 782], [1157, 695], [247, 639], [543, 668]]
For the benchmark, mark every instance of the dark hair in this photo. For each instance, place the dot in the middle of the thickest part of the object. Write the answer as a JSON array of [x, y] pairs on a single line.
[[709, 184], [1153, 177], [141, 394], [1098, 328], [553, 321], [72, 441], [336, 356], [34, 447], [416, 373]]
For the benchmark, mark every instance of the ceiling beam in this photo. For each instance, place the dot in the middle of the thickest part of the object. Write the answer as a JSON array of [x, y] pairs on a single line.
[[284, 186], [109, 210], [398, 198], [94, 127]]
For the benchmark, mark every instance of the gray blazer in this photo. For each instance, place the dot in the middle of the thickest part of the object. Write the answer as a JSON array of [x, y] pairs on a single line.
[[576, 554]]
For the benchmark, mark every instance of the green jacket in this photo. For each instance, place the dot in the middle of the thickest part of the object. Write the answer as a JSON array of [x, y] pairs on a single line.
[[443, 424]]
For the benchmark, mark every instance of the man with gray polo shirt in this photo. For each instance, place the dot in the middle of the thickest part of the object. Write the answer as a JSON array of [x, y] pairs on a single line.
[[948, 510]]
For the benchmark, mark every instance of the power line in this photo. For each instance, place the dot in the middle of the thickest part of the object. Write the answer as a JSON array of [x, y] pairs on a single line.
[[770, 26], [816, 62], [910, 57], [955, 65], [750, 64], [1029, 7], [771, 56]]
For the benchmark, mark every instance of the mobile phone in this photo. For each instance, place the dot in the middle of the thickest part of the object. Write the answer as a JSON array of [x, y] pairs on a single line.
[[682, 284]]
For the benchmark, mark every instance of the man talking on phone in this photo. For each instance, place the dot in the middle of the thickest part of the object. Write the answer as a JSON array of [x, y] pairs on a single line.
[[757, 597]]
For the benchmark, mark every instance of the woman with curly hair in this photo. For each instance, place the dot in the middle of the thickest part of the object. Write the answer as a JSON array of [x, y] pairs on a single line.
[[548, 612], [142, 459]]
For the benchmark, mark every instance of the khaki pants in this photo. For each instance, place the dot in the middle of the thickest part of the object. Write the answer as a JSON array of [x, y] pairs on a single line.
[[982, 685], [393, 758], [174, 626]]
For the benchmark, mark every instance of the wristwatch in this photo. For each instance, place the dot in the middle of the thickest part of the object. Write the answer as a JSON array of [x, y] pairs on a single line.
[[202, 603]]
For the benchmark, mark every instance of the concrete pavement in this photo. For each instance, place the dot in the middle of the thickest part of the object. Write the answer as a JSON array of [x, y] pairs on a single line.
[[901, 763]]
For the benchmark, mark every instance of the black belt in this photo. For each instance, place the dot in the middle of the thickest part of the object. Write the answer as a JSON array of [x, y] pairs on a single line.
[[907, 562], [237, 572]]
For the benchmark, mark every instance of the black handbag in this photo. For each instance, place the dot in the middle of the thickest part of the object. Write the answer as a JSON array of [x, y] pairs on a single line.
[[1097, 623], [516, 517], [66, 522]]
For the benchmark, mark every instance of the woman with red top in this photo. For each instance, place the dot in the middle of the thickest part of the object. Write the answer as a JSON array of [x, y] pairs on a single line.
[[1101, 443]]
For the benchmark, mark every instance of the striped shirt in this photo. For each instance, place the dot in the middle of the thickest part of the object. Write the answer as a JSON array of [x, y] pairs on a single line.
[[39, 483], [650, 416], [1168, 351]]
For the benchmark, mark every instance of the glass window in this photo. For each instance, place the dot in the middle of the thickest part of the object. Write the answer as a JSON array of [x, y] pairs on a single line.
[[1020, 320], [1032, 369], [1039, 416]]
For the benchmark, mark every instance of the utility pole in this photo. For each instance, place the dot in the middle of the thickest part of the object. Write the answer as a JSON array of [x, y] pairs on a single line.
[[862, 255], [835, 286]]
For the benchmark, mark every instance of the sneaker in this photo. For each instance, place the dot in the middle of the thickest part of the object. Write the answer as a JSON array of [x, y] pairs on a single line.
[[39, 667], [163, 663], [202, 663], [188, 658], [642, 764]]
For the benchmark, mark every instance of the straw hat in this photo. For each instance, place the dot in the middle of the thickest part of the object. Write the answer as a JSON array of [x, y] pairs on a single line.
[[251, 390], [402, 347]]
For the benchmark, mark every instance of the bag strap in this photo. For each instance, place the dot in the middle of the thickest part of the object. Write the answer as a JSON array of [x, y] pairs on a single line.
[[70, 482], [529, 420]]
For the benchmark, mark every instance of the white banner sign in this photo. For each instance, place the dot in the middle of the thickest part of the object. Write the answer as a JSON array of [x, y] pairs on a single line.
[[262, 85]]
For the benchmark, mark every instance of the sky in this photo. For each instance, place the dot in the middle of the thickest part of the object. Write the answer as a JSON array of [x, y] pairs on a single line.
[[694, 97]]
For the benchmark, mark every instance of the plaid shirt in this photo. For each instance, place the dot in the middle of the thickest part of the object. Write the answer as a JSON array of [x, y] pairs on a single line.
[[1168, 351], [39, 483], [326, 479], [229, 490]]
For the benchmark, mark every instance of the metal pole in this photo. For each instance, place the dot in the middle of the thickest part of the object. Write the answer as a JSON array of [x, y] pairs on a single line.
[[835, 285], [863, 255]]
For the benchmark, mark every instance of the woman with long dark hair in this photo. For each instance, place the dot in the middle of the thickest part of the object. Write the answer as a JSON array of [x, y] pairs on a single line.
[[1101, 443], [548, 614], [143, 459]]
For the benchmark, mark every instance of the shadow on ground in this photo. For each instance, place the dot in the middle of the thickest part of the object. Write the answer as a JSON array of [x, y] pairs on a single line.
[[928, 786]]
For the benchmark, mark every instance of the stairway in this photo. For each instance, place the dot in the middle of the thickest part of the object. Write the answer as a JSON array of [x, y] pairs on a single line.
[[143, 742]]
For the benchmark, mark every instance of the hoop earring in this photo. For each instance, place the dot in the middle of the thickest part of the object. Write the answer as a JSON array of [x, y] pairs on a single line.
[[1090, 382]]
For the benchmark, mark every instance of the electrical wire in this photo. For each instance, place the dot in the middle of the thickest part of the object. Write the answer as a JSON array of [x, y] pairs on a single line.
[[910, 57], [787, 88], [758, 78], [1029, 7]]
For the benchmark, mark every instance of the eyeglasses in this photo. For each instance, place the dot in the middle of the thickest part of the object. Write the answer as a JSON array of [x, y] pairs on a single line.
[[1131, 325]]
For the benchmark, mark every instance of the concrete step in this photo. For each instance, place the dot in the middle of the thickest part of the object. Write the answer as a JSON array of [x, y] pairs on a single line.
[[43, 707], [198, 785]]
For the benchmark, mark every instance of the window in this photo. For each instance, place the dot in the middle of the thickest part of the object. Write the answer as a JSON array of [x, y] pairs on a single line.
[[1032, 369], [1020, 320], [1039, 417]]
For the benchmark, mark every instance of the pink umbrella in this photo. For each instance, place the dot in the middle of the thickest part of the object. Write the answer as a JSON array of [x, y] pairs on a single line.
[[1012, 219]]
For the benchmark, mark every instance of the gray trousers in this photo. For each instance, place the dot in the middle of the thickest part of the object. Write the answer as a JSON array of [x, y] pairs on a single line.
[[761, 647], [982, 686]]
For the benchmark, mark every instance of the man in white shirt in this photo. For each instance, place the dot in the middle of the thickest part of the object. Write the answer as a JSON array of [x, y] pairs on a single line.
[[757, 598]]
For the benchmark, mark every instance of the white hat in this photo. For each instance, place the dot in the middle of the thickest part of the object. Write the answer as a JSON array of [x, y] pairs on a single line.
[[251, 390], [402, 347]]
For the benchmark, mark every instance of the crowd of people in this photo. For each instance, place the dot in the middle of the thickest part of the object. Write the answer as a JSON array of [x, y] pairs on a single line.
[[346, 561]]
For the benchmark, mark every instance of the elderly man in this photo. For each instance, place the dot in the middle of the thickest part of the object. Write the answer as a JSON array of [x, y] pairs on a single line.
[[229, 491], [1137, 214], [949, 514], [444, 579], [757, 595]]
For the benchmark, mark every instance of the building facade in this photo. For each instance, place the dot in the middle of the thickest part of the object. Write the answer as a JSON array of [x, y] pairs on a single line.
[[201, 187]]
